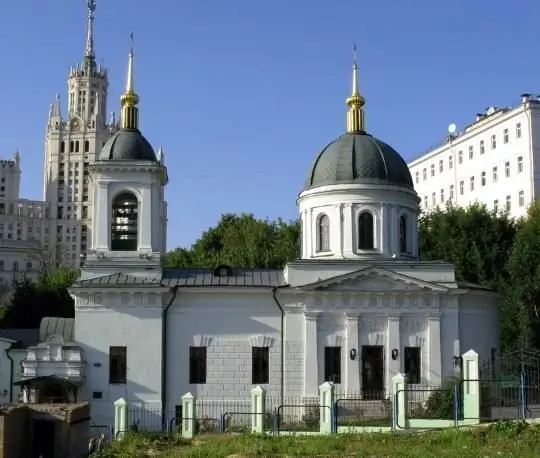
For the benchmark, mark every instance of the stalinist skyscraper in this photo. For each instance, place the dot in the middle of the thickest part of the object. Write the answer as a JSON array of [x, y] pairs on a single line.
[[73, 140]]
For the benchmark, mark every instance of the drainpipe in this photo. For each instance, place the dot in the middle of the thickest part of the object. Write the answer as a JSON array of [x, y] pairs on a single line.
[[10, 375], [282, 343], [164, 327]]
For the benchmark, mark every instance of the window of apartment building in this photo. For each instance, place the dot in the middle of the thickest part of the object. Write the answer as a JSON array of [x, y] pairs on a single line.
[[424, 174], [521, 198], [432, 170], [260, 365], [495, 205], [460, 157], [483, 178], [471, 152], [508, 203], [412, 364], [482, 147], [461, 188], [426, 203], [471, 183], [332, 364], [505, 136], [117, 365], [450, 162], [417, 177], [507, 169], [520, 164], [518, 130], [441, 166], [433, 199], [197, 365], [493, 142], [451, 191], [495, 175], [442, 195]]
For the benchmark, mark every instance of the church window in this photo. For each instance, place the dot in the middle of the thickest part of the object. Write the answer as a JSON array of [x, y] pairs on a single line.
[[117, 365], [332, 364], [260, 372], [15, 266], [403, 234], [71, 146], [323, 233], [197, 365], [86, 146], [412, 364], [1, 266], [365, 231], [124, 226], [76, 146], [63, 147], [28, 265]]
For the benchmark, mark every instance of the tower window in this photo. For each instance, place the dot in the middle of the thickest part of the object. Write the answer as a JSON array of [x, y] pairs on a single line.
[[62, 147], [365, 231], [86, 146], [124, 226], [323, 233], [403, 233], [71, 146], [76, 146]]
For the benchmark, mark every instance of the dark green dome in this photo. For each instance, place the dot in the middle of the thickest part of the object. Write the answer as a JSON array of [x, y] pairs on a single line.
[[358, 158], [127, 145]]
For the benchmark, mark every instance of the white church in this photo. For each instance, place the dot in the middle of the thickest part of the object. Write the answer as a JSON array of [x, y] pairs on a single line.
[[356, 307]]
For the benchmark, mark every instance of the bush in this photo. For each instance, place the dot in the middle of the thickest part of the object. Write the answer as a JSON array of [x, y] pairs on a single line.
[[440, 405]]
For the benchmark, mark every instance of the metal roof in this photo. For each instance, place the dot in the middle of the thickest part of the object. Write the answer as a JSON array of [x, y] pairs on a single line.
[[200, 278]]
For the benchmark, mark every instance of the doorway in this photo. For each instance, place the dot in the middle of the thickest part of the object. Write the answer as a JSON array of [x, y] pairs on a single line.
[[43, 443], [373, 372]]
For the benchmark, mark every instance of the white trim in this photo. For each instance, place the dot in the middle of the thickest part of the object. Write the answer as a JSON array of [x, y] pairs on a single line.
[[202, 341], [262, 341]]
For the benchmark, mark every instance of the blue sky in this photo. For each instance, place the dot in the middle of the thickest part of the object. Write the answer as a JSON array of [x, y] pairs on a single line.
[[243, 94]]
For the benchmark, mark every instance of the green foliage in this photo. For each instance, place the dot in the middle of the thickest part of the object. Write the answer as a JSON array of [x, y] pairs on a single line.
[[440, 404]]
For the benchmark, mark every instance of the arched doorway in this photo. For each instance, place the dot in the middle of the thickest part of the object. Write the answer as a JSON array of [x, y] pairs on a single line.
[[125, 222], [52, 393]]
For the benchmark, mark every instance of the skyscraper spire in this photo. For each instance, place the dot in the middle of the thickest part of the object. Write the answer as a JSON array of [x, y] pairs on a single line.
[[129, 99], [355, 115], [89, 52]]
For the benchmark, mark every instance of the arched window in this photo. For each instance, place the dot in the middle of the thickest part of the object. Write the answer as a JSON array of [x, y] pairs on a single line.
[[403, 234], [124, 226], [366, 231], [28, 265], [77, 146], [71, 146], [63, 147], [1, 266], [15, 266], [323, 233], [86, 146]]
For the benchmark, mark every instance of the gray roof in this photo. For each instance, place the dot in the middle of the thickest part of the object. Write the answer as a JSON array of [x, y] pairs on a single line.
[[25, 337], [358, 158], [127, 145], [118, 278], [59, 326]]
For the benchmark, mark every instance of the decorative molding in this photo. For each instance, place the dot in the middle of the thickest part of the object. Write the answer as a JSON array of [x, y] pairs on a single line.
[[373, 324], [335, 340], [202, 341], [414, 325], [262, 341]]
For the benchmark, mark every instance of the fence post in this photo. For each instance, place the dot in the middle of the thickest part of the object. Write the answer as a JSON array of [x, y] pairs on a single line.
[[399, 401], [258, 408], [326, 409], [189, 416], [471, 387], [120, 418]]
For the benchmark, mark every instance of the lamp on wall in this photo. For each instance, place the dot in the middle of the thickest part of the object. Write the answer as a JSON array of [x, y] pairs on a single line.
[[352, 354], [395, 354]]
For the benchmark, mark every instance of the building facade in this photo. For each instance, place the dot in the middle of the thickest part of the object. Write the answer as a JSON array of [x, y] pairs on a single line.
[[357, 308], [493, 162]]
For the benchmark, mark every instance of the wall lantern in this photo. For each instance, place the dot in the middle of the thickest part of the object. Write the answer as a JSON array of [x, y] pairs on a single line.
[[353, 354], [97, 364], [458, 360], [395, 354]]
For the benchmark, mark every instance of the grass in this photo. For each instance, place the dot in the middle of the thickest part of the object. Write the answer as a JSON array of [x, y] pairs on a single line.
[[503, 439]]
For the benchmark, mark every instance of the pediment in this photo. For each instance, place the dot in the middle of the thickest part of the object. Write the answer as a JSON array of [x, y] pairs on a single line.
[[373, 280]]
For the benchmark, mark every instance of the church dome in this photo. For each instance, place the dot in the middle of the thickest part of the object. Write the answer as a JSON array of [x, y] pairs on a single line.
[[127, 145], [357, 157]]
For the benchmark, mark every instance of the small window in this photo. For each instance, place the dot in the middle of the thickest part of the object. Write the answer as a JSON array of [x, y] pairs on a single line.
[[461, 188], [117, 365], [323, 233], [442, 196], [483, 178], [450, 162], [1, 266], [332, 364], [518, 130], [71, 146], [460, 157], [441, 166], [495, 205], [508, 203], [507, 169], [403, 234], [493, 142], [432, 170], [505, 136], [471, 183], [77, 146], [63, 147], [28, 265], [412, 364], [197, 365], [482, 147], [471, 152], [495, 175], [433, 199], [520, 164], [521, 198], [426, 203], [417, 177], [451, 191], [15, 266], [366, 231], [86, 146], [424, 174], [260, 369]]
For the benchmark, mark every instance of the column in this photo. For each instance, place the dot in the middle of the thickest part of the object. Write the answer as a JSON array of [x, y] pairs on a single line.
[[471, 387], [145, 219], [393, 343], [353, 345], [434, 374], [311, 356]]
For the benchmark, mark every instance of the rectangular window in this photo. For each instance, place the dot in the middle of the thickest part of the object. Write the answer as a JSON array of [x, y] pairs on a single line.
[[332, 364], [483, 178], [508, 203], [432, 170], [520, 164], [433, 199], [471, 152], [521, 198], [424, 174], [495, 205], [505, 136], [197, 365], [451, 191], [507, 169], [450, 162], [441, 166], [417, 177], [495, 175], [471, 182], [426, 203], [442, 196], [518, 130], [260, 365], [482, 147], [117, 365], [412, 364], [493, 142], [460, 157], [461, 188]]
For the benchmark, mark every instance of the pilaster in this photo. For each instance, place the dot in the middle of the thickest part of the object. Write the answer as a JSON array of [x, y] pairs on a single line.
[[348, 230], [434, 374], [101, 219], [353, 346], [145, 218], [311, 364], [393, 366]]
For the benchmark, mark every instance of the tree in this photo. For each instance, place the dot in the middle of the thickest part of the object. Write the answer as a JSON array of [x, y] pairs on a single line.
[[241, 241]]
